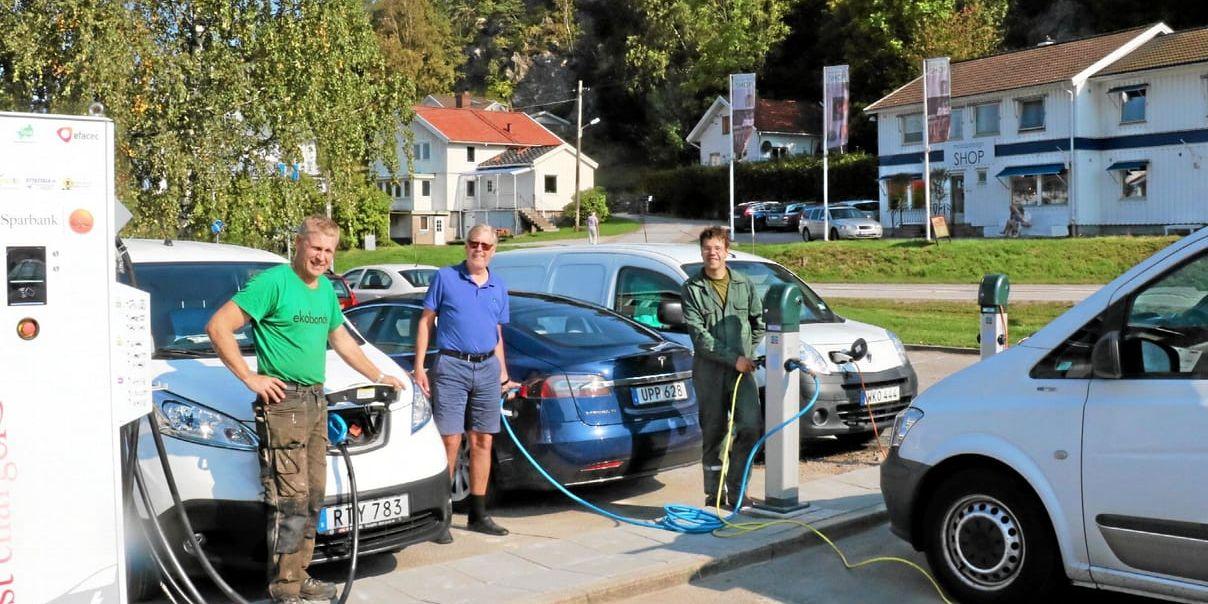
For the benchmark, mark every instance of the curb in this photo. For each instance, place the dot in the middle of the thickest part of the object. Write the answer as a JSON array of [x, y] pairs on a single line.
[[948, 349], [835, 527]]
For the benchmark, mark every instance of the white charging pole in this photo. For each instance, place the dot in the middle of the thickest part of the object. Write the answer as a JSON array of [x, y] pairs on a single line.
[[782, 313]]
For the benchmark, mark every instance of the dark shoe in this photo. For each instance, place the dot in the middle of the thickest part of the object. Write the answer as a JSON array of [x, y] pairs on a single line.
[[314, 589], [711, 502], [486, 526], [444, 538]]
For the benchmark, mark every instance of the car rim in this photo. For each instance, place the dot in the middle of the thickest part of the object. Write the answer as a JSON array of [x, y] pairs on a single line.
[[461, 474], [983, 542]]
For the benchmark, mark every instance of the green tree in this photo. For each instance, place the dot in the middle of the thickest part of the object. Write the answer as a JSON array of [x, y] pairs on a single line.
[[965, 32], [418, 42]]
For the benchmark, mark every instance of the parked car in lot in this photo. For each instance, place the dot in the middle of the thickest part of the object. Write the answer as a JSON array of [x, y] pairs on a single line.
[[643, 282], [870, 208], [343, 292], [788, 217], [378, 280], [602, 397], [205, 413], [1073, 455], [845, 223], [755, 212]]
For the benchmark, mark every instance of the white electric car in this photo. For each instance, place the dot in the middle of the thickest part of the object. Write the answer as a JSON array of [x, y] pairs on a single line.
[[206, 419], [643, 283], [381, 280], [1077, 455]]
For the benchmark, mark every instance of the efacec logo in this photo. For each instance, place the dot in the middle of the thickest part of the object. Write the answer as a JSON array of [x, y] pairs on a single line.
[[67, 134]]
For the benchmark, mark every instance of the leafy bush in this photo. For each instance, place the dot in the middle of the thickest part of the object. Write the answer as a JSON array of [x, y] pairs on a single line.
[[703, 191], [590, 200]]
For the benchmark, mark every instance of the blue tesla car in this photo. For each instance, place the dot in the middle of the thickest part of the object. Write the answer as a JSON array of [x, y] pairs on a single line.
[[602, 398]]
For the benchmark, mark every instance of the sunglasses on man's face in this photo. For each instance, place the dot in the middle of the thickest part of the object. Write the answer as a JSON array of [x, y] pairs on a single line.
[[484, 246]]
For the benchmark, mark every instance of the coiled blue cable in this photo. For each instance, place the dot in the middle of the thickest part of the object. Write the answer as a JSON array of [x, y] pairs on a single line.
[[678, 518]]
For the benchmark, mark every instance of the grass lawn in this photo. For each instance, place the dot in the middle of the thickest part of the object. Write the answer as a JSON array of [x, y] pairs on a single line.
[[1082, 260], [443, 255], [944, 323]]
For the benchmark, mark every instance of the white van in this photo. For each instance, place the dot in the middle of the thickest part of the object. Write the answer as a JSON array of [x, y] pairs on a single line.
[[1078, 454], [206, 417], [643, 282]]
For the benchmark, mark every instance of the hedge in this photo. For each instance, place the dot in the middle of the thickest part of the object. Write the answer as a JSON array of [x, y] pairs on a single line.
[[703, 191]]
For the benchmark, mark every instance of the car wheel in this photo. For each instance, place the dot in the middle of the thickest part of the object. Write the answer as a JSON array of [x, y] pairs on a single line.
[[834, 235], [989, 539], [805, 235]]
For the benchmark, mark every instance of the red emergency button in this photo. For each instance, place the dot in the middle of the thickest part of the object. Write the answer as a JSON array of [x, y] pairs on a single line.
[[27, 328]]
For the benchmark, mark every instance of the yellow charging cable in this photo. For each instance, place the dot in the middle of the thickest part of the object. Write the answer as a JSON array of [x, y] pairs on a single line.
[[736, 529]]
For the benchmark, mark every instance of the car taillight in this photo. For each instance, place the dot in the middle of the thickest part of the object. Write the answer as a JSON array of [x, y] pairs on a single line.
[[746, 212], [571, 385]]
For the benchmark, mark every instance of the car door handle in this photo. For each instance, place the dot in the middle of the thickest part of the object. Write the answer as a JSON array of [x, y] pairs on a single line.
[[1046, 389]]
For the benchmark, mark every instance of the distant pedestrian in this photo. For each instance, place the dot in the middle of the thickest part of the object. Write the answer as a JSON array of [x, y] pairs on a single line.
[[593, 229], [470, 374]]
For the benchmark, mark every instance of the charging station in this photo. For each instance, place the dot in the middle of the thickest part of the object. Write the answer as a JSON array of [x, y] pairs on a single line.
[[992, 299], [782, 396], [74, 347]]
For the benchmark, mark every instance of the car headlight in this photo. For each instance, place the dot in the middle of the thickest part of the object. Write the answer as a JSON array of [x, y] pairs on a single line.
[[899, 346], [903, 423], [187, 420], [813, 360], [421, 409]]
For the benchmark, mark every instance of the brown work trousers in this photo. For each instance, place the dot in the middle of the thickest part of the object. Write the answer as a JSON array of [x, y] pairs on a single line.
[[293, 470]]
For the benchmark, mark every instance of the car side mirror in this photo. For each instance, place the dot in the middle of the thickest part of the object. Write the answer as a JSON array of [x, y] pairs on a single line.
[[671, 313], [1105, 356]]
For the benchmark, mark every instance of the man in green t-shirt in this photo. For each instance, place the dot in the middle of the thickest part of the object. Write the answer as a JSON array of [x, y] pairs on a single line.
[[294, 314]]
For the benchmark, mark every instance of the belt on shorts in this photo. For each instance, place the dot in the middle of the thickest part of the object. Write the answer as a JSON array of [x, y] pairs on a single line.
[[465, 356], [296, 387]]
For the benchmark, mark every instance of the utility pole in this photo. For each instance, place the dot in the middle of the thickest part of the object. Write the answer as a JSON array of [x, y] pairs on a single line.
[[578, 146]]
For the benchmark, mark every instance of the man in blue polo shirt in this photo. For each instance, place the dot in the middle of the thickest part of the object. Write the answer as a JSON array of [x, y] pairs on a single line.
[[470, 373]]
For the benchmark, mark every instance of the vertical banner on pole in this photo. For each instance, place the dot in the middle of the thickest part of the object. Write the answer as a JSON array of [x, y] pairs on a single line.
[[835, 101], [939, 89], [834, 129], [742, 125]]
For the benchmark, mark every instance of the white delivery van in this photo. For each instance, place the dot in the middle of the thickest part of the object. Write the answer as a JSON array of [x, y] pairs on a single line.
[[1077, 455], [643, 283]]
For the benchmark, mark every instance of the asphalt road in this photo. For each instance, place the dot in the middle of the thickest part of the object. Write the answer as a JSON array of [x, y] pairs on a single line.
[[816, 574]]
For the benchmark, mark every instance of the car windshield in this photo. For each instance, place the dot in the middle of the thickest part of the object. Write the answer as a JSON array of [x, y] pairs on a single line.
[[767, 274], [575, 326], [418, 277], [837, 213], [184, 295]]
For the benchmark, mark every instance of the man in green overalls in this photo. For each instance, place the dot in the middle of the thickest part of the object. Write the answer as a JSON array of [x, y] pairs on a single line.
[[724, 316]]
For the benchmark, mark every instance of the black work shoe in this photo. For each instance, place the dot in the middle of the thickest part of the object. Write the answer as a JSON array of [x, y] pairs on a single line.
[[711, 502], [486, 526], [314, 589], [444, 538]]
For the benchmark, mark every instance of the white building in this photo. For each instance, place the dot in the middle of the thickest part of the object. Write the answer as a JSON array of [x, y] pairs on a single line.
[[1136, 101], [478, 166], [781, 128]]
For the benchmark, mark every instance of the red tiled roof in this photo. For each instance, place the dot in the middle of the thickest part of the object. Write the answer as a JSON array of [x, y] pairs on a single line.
[[1017, 69], [1178, 48], [497, 127], [787, 116]]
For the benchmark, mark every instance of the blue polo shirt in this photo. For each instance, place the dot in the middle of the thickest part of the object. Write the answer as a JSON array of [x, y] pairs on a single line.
[[468, 313]]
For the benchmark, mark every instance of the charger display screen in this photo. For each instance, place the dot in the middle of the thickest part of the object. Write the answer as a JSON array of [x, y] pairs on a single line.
[[26, 270]]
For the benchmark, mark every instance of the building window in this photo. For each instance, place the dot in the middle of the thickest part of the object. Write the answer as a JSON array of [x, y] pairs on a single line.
[[985, 120], [1132, 105], [406, 188], [490, 186], [469, 154], [1034, 190], [715, 159], [1134, 182], [425, 188], [725, 125], [398, 191], [956, 127], [1031, 114], [423, 223], [470, 188], [422, 151], [912, 128], [551, 184], [981, 176]]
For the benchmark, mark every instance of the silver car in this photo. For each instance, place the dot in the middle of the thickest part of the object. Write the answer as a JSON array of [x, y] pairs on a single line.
[[845, 223]]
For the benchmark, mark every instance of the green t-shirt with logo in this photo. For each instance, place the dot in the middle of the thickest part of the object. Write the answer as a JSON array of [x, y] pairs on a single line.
[[290, 322]]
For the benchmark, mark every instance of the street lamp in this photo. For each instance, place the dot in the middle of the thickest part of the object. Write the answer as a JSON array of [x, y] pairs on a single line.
[[578, 152]]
